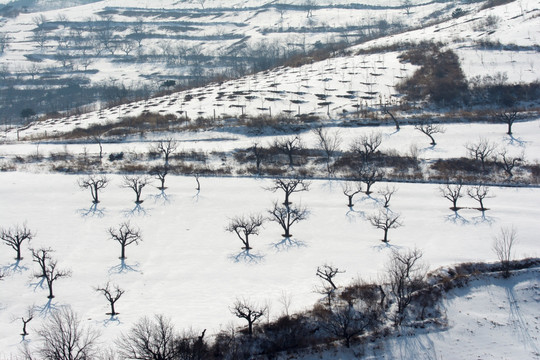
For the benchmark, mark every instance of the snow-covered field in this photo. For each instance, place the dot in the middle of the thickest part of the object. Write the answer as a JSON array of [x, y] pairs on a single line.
[[185, 266]]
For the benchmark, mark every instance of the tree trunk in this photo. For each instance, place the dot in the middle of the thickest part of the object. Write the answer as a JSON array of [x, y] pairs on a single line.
[[350, 200], [113, 312], [50, 284], [123, 252], [385, 240], [18, 258]]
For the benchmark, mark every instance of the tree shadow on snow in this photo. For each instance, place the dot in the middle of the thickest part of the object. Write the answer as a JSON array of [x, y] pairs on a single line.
[[386, 245], [511, 140], [16, 267], [48, 308], [162, 198], [124, 268], [456, 218], [287, 243], [113, 319], [483, 219], [353, 214], [138, 210], [38, 284], [93, 211], [246, 256]]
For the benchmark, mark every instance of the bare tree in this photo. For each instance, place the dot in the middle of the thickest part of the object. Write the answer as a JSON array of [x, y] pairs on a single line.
[[329, 144], [41, 256], [14, 237], [125, 235], [289, 186], [351, 188], [166, 147], [386, 110], [366, 145], [160, 172], [286, 216], [26, 319], [65, 338], [345, 322], [385, 220], [94, 183], [503, 245], [507, 116], [387, 194], [369, 175], [111, 294], [481, 150], [259, 154], [327, 273], [244, 309], [149, 339], [48, 269], [407, 4], [4, 42], [453, 193], [136, 183], [405, 274], [508, 162], [289, 146], [430, 129], [479, 193], [245, 226]]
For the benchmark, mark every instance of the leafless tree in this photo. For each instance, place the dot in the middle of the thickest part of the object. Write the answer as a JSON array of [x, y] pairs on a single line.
[[289, 186], [479, 193], [15, 237], [345, 322], [4, 42], [160, 172], [366, 145], [166, 147], [430, 129], [369, 175], [259, 154], [351, 188], [149, 339], [244, 309], [386, 110], [244, 226], [65, 338], [481, 150], [385, 220], [26, 319], [387, 194], [503, 246], [125, 235], [329, 144], [405, 274], [407, 4], [94, 183], [286, 216], [201, 2], [48, 268], [327, 273], [111, 294], [136, 183], [508, 162], [507, 116], [453, 193], [41, 256], [289, 146]]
